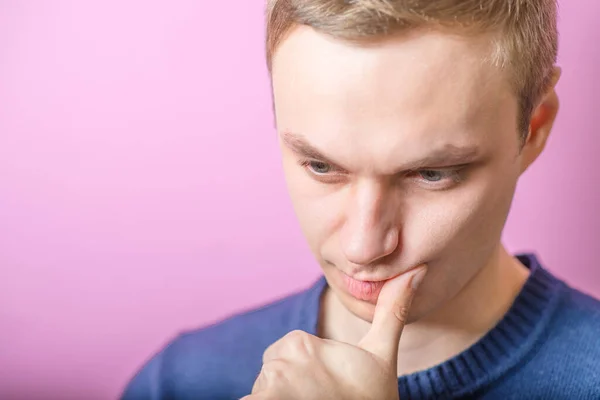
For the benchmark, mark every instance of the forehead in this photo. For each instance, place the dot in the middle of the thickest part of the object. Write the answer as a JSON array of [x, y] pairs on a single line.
[[408, 89]]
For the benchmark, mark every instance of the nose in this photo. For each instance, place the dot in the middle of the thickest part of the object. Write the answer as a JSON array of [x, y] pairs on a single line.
[[370, 231]]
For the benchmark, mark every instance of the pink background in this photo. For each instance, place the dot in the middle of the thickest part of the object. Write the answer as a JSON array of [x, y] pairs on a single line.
[[141, 192]]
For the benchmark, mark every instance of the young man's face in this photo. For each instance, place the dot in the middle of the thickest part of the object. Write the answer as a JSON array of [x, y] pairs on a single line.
[[397, 153]]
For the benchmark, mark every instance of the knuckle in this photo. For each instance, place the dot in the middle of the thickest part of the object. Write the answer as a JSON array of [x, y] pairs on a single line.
[[263, 380], [296, 335], [401, 313], [274, 371], [272, 352], [301, 342], [268, 355]]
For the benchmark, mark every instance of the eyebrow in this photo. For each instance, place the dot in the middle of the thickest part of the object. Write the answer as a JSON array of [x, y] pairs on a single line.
[[448, 155], [299, 145]]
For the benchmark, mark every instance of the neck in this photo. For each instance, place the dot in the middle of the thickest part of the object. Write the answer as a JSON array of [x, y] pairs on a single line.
[[450, 329]]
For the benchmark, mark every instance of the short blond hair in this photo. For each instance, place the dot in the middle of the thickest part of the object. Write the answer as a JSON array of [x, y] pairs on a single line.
[[527, 40]]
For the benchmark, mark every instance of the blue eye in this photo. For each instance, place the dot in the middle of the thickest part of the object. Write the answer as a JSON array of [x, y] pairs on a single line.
[[319, 167], [440, 178], [432, 175], [322, 171]]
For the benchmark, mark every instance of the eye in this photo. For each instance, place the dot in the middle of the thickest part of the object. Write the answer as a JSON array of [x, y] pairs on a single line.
[[432, 175], [318, 167], [439, 179], [323, 172]]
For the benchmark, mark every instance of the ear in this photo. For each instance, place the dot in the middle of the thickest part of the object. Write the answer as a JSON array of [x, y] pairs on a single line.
[[541, 123]]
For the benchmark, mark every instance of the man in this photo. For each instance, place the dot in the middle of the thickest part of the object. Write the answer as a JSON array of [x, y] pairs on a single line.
[[404, 127]]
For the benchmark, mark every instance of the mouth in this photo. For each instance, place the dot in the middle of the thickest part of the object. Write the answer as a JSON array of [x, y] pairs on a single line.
[[367, 289], [363, 290]]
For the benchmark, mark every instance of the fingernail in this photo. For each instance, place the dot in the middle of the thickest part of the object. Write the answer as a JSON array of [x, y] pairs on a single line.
[[418, 277]]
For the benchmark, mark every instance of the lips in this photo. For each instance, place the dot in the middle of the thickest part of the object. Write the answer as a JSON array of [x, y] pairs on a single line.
[[363, 290]]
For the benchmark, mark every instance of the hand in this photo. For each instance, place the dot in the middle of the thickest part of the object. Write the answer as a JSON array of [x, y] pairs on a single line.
[[301, 366]]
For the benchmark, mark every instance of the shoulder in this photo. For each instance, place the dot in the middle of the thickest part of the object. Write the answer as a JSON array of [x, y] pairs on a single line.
[[221, 361], [567, 362], [576, 324], [564, 360]]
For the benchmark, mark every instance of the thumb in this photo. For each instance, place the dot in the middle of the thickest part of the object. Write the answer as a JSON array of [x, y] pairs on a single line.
[[390, 315]]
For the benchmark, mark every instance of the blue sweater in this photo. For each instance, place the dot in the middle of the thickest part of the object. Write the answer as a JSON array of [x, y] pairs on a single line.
[[546, 347]]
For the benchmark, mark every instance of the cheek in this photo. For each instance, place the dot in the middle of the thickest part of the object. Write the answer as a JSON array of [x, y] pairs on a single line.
[[317, 207], [470, 219], [430, 227]]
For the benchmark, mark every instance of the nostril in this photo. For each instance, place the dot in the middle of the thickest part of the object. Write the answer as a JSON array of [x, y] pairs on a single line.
[[391, 240], [366, 247]]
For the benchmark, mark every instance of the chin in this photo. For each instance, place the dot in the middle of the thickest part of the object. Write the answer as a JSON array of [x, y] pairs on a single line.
[[360, 309]]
